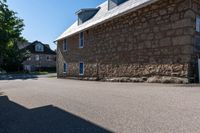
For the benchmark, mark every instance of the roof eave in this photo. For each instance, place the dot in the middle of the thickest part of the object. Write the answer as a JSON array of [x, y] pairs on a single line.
[[121, 14]]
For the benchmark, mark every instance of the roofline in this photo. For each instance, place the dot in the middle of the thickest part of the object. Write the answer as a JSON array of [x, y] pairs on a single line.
[[87, 9], [121, 14]]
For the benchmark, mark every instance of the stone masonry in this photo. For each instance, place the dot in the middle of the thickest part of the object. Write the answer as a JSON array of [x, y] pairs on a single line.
[[156, 40]]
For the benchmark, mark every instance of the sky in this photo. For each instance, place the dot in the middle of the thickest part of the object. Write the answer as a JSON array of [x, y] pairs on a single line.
[[45, 20]]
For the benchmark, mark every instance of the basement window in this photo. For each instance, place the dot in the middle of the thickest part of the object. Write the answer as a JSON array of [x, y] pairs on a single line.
[[81, 40], [81, 68], [198, 24], [65, 68]]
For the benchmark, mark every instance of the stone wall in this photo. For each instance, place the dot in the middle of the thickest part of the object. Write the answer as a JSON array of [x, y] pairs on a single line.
[[154, 40]]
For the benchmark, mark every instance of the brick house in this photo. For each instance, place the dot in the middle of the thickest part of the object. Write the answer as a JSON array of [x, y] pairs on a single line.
[[41, 57], [132, 38]]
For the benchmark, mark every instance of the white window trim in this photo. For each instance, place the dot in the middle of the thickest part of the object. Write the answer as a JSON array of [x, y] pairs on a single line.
[[198, 24], [64, 68], [64, 45], [81, 74], [81, 39]]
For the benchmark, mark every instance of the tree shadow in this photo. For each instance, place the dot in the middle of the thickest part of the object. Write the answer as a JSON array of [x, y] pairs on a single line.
[[15, 118], [18, 76]]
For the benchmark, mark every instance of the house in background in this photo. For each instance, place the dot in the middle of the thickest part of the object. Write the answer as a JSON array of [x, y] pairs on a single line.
[[133, 38], [42, 58]]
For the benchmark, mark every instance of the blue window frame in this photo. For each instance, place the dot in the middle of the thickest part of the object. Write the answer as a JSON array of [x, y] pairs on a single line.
[[65, 45], [81, 68], [198, 24], [64, 68], [81, 40]]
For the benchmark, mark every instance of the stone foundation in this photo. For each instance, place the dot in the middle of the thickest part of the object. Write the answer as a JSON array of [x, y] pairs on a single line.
[[132, 70]]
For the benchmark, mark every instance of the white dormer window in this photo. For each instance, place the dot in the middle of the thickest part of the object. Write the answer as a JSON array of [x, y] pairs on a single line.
[[39, 48], [65, 45], [81, 40], [198, 24]]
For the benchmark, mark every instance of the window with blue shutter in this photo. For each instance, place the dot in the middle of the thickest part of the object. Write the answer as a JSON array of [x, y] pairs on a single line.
[[81, 68], [65, 45], [64, 67], [81, 40]]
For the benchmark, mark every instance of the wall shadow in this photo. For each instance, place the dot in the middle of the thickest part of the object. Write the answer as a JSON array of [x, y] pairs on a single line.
[[18, 76], [15, 118]]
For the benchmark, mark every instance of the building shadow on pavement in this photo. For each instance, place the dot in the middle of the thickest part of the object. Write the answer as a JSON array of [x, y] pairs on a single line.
[[15, 118], [18, 76]]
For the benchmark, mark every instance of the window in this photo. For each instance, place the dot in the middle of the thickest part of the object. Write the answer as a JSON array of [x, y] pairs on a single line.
[[48, 58], [64, 68], [29, 59], [81, 40], [39, 48], [37, 57], [65, 45], [81, 68], [198, 24]]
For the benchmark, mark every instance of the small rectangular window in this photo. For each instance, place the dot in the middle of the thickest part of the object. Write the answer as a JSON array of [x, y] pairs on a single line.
[[198, 24], [48, 58], [64, 68], [65, 45], [81, 68], [29, 59], [81, 40], [37, 57]]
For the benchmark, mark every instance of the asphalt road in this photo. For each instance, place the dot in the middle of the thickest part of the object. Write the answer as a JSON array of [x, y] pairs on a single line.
[[50, 105]]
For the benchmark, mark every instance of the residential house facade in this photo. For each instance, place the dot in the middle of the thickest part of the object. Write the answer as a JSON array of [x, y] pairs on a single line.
[[131, 38], [41, 57]]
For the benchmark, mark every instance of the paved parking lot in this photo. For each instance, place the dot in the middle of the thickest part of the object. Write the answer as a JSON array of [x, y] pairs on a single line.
[[50, 105]]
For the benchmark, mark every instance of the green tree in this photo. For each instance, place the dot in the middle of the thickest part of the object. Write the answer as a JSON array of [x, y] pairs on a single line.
[[11, 28]]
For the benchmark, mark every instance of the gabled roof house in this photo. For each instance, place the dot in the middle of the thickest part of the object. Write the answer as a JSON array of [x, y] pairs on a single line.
[[133, 38]]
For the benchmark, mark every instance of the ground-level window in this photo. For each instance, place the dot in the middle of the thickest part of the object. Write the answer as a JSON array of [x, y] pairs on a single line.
[[48, 58], [29, 59], [64, 67], [81, 40], [198, 24], [81, 68], [37, 57], [65, 45]]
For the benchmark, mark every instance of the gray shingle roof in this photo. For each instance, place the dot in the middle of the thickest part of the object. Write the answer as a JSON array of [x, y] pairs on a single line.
[[104, 15]]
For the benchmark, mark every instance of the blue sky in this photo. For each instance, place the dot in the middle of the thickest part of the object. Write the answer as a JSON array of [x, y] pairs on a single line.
[[45, 20]]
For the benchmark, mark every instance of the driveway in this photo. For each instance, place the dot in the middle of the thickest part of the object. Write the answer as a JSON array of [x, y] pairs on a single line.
[[50, 105]]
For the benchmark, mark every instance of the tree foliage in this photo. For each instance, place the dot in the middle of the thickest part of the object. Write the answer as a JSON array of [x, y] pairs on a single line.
[[11, 28]]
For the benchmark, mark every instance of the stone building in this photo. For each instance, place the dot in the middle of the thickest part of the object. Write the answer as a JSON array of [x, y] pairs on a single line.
[[41, 57], [133, 38]]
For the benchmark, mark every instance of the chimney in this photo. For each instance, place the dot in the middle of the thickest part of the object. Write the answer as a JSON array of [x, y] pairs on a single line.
[[113, 3]]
